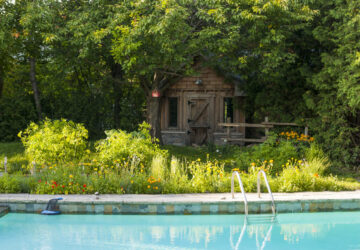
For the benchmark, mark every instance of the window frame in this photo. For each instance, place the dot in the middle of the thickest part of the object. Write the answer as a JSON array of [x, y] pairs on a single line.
[[169, 126]]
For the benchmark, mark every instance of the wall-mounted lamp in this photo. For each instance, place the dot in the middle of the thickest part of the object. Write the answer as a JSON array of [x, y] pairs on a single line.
[[198, 82]]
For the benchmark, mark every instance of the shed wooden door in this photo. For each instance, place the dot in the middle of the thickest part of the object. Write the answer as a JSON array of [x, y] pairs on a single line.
[[199, 119]]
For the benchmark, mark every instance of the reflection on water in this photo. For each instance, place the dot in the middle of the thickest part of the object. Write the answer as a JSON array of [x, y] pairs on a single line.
[[293, 233], [181, 232]]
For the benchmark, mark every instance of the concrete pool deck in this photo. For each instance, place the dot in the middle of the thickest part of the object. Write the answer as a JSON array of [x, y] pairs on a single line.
[[220, 203]]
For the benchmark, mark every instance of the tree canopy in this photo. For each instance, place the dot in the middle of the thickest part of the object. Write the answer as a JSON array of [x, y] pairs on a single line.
[[97, 62]]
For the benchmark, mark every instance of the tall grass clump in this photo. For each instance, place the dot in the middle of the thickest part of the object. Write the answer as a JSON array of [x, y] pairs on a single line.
[[177, 179], [158, 168]]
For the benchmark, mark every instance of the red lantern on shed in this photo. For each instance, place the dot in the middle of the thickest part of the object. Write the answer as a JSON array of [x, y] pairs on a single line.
[[155, 93]]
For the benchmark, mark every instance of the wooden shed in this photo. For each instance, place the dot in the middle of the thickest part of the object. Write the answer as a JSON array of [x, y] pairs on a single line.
[[193, 107]]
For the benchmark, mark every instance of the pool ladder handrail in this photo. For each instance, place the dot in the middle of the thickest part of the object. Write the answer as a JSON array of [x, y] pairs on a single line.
[[242, 189], [268, 188]]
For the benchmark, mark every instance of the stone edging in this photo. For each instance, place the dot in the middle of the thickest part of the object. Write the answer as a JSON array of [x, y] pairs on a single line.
[[3, 211], [184, 204]]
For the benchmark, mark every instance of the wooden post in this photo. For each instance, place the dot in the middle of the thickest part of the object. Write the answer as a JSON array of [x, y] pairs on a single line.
[[228, 120], [118, 168], [306, 131], [33, 170], [266, 129], [5, 164]]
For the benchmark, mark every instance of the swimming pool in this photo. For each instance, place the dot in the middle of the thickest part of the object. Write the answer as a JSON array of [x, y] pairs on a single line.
[[333, 230]]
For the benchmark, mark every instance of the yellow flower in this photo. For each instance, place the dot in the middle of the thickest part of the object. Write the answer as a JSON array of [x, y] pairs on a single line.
[[95, 169], [156, 188], [148, 186], [198, 159], [71, 176], [131, 181], [253, 164], [271, 161]]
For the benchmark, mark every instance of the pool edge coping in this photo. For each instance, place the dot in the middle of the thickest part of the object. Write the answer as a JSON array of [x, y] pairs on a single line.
[[220, 203]]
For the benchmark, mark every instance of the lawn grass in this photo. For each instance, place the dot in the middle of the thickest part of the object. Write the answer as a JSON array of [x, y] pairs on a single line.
[[14, 151], [11, 149]]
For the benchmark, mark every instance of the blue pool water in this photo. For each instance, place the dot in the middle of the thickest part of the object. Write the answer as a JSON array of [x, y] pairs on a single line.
[[336, 230]]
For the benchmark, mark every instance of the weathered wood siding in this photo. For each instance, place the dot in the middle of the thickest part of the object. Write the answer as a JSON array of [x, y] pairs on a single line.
[[208, 100]]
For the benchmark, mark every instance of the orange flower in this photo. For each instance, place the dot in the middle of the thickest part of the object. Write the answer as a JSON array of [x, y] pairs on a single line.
[[316, 175]]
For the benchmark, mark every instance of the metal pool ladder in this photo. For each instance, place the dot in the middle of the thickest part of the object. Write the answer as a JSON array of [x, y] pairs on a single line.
[[242, 189], [268, 188]]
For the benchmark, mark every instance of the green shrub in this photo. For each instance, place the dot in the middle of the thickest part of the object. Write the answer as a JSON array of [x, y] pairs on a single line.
[[9, 184], [120, 146], [275, 148], [54, 141]]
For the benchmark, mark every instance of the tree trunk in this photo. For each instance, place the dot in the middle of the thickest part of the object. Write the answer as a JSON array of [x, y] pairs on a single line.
[[1, 83], [117, 75], [154, 112], [35, 87]]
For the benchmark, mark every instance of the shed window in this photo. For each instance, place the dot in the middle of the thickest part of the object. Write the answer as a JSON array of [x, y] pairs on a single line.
[[173, 112], [228, 109]]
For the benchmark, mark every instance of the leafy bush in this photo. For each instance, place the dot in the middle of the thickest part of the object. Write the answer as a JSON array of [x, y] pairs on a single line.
[[9, 184], [120, 145], [278, 149], [54, 141]]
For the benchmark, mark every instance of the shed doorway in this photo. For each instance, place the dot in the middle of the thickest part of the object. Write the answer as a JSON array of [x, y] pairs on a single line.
[[199, 118]]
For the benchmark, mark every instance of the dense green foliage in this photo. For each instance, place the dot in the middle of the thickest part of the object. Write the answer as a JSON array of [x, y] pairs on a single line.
[[96, 63]]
